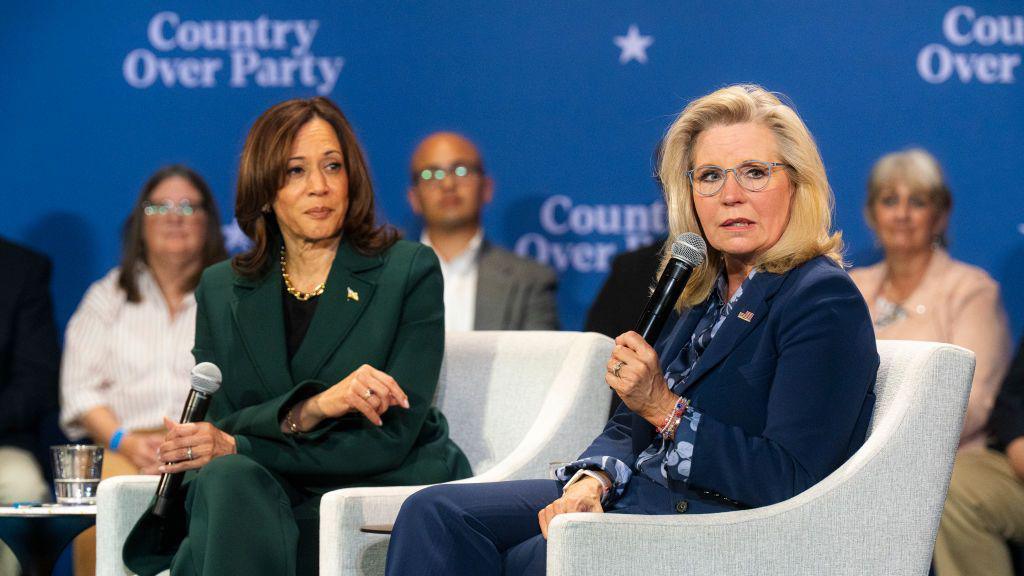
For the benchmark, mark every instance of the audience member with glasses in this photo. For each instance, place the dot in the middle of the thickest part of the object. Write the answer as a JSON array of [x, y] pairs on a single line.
[[918, 292], [485, 286], [128, 346], [716, 414]]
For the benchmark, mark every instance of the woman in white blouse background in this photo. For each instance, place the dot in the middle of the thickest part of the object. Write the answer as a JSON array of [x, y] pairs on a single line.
[[128, 346]]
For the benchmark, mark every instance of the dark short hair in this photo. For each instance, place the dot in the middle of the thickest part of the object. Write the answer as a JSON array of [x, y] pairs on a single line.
[[262, 172], [133, 245]]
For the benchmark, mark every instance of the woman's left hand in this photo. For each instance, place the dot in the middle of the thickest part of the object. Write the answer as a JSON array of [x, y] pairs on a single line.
[[583, 496], [639, 382], [205, 440]]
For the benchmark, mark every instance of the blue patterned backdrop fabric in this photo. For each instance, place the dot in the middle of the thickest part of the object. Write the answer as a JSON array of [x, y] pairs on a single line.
[[567, 101]]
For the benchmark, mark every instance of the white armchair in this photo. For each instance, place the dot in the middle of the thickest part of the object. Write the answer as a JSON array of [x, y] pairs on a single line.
[[515, 401], [877, 514], [120, 502]]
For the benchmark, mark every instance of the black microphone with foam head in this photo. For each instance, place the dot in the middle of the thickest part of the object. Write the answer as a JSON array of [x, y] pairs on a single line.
[[688, 252], [206, 379]]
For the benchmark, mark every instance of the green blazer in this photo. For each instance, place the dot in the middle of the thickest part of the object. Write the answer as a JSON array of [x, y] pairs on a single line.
[[386, 311]]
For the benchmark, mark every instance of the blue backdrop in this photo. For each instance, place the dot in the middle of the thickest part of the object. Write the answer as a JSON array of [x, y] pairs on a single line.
[[567, 101]]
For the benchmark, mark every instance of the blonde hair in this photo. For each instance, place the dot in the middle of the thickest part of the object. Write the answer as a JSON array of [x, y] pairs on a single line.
[[916, 169], [809, 232]]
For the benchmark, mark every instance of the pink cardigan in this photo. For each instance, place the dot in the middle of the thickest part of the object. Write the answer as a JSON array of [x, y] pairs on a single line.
[[959, 304]]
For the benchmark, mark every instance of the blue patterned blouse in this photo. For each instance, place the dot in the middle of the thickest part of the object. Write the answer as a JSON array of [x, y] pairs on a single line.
[[669, 458]]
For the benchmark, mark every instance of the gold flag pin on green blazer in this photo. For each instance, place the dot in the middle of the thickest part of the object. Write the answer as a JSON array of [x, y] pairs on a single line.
[[352, 294]]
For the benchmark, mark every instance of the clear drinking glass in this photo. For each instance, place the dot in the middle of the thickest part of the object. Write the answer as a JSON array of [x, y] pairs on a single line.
[[76, 472]]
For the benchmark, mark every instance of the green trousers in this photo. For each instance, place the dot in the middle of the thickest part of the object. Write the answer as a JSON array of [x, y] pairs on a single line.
[[240, 518]]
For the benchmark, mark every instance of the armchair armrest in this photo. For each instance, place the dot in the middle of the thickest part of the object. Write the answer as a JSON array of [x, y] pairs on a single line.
[[120, 502], [343, 548]]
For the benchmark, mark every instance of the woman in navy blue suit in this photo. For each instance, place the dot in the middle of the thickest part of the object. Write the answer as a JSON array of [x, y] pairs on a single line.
[[761, 389]]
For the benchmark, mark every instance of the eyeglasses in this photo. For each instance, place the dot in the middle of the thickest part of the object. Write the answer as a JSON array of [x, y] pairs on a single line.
[[752, 175], [433, 176], [182, 208]]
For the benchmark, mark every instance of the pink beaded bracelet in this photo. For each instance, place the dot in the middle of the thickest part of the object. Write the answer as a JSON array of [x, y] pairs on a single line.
[[668, 429]]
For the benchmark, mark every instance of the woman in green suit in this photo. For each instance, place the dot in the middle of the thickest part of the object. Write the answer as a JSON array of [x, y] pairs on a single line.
[[329, 333]]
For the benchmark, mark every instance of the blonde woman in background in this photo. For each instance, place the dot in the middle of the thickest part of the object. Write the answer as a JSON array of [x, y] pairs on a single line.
[[918, 292]]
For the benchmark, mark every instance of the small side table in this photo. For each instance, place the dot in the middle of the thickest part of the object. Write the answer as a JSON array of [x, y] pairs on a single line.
[[38, 534], [377, 529]]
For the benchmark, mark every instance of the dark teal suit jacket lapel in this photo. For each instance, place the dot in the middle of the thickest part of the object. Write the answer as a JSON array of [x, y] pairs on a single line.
[[259, 314]]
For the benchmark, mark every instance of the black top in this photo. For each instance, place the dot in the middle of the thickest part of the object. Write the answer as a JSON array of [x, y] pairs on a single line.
[[1007, 420], [297, 317]]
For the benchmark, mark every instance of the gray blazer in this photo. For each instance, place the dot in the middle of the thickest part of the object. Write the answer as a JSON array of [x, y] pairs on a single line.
[[514, 293]]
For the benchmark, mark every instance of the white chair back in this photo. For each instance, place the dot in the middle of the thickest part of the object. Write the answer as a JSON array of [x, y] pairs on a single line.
[[497, 387]]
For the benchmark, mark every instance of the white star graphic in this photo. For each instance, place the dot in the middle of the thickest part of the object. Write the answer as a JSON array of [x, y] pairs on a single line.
[[235, 240], [633, 45]]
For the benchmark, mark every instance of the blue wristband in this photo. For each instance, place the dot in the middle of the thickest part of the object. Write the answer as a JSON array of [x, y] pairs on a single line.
[[115, 440]]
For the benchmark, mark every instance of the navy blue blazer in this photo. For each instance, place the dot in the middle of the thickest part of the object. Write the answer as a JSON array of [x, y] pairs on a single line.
[[785, 397]]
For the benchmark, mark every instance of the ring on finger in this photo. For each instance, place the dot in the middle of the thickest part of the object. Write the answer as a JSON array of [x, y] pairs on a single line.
[[367, 394], [618, 366], [188, 452]]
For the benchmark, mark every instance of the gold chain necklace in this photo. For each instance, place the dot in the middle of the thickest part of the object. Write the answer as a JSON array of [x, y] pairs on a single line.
[[298, 294]]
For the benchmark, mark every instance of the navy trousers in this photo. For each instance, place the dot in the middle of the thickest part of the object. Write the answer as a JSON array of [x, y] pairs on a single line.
[[472, 529], [491, 528]]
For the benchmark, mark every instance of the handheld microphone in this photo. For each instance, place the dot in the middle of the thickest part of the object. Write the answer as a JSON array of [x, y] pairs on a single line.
[[206, 379], [688, 252]]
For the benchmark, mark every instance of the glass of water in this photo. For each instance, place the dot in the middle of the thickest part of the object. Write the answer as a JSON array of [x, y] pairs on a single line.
[[76, 472]]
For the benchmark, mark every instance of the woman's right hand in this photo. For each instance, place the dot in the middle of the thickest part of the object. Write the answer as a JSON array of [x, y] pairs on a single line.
[[141, 449], [583, 496], [366, 390]]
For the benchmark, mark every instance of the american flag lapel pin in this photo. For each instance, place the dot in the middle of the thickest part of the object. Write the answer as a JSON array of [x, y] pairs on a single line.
[[746, 316], [352, 294]]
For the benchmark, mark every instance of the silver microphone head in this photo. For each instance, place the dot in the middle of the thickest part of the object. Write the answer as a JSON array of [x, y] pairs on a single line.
[[206, 378], [690, 248]]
